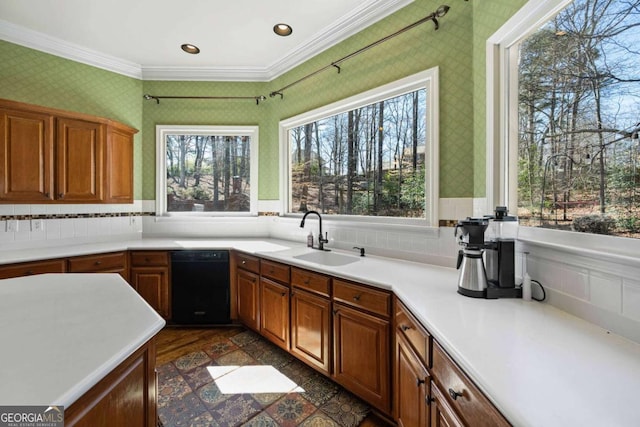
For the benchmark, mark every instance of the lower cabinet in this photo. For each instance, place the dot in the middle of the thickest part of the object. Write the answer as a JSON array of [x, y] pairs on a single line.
[[311, 329], [125, 397], [274, 312], [442, 414], [361, 358], [114, 262], [150, 278], [248, 291], [411, 387], [34, 267]]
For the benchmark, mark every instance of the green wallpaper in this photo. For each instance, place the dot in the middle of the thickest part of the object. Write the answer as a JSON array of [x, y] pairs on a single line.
[[457, 49], [34, 77]]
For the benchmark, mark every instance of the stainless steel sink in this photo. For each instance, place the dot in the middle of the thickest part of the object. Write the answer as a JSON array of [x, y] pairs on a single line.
[[327, 258]]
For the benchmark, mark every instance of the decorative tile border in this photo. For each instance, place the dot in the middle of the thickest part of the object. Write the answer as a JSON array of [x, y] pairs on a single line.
[[74, 216]]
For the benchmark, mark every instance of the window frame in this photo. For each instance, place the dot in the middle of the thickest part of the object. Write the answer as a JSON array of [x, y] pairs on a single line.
[[427, 79], [161, 166]]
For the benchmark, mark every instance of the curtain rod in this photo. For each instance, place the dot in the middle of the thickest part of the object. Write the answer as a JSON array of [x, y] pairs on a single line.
[[439, 13], [158, 98], [433, 17]]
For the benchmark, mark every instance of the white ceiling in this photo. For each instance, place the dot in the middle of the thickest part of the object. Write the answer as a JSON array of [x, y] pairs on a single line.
[[142, 38]]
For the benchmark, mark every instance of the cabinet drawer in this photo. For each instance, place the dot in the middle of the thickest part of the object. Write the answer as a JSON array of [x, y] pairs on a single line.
[[149, 258], [30, 268], [462, 394], [314, 282], [98, 262], [275, 271], [413, 332], [247, 262], [359, 296]]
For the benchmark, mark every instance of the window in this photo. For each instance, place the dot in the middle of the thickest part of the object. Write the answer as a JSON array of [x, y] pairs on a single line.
[[372, 155], [573, 119], [206, 170]]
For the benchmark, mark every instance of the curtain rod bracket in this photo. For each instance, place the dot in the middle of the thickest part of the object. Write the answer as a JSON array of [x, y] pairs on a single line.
[[435, 22], [274, 93], [147, 96], [337, 66]]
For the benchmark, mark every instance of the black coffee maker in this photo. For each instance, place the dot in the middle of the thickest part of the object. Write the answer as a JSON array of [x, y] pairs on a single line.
[[491, 237]]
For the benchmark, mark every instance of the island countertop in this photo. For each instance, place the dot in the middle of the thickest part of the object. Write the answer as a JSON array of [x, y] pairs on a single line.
[[62, 333]]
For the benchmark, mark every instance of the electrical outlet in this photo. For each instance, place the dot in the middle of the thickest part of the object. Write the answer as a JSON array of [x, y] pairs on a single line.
[[12, 226], [37, 225], [132, 220]]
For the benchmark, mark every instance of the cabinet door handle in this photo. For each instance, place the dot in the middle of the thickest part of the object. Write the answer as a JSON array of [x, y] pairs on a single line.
[[405, 327], [357, 297], [283, 294], [454, 394], [46, 195], [429, 399], [60, 195], [419, 382]]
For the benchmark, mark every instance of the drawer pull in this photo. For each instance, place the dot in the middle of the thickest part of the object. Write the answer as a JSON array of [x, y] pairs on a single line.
[[244, 262], [306, 281], [405, 327], [419, 382], [146, 259], [283, 294], [28, 273], [98, 262], [454, 394], [357, 297]]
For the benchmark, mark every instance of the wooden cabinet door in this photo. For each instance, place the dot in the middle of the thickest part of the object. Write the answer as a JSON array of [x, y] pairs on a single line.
[[310, 329], [361, 360], [442, 414], [152, 283], [274, 312], [80, 148], [26, 156], [411, 382], [119, 167], [248, 298]]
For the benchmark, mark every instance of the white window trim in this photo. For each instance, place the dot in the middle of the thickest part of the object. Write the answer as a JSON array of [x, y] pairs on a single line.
[[428, 80], [161, 167], [502, 127], [502, 103]]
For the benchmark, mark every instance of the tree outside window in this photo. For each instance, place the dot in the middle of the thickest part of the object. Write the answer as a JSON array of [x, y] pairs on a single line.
[[579, 119]]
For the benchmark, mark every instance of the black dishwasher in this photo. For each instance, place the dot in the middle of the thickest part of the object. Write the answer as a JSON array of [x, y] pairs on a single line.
[[200, 287]]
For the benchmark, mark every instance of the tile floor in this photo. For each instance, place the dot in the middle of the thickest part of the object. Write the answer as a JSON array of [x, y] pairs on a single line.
[[243, 380]]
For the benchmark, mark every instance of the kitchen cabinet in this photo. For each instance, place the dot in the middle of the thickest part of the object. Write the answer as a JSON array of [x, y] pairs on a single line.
[[115, 262], [442, 414], [274, 302], [126, 396], [361, 342], [150, 278], [411, 387], [459, 392], [247, 284], [79, 151], [26, 156], [311, 318], [33, 267], [55, 156]]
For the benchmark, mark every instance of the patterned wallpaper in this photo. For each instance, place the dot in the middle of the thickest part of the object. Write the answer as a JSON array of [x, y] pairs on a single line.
[[457, 49], [35, 77]]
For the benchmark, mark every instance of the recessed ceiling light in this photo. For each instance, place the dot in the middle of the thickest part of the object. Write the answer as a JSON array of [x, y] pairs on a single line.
[[190, 48], [282, 29]]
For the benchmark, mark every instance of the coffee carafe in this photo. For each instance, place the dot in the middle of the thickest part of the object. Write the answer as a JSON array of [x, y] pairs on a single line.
[[472, 280]]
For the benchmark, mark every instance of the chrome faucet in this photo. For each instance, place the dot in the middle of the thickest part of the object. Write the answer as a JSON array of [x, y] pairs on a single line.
[[321, 240]]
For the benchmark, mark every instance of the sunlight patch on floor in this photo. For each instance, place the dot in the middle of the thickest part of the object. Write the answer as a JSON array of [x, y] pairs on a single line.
[[252, 379]]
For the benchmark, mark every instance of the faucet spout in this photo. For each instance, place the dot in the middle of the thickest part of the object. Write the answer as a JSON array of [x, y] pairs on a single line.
[[321, 239]]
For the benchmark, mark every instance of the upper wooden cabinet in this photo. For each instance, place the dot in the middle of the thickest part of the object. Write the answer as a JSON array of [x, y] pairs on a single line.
[[57, 156]]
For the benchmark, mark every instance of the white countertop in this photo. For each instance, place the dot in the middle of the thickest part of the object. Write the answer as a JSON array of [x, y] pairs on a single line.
[[62, 333], [540, 366]]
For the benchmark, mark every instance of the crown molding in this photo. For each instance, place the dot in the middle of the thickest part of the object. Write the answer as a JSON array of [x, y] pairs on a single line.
[[42, 42], [369, 13]]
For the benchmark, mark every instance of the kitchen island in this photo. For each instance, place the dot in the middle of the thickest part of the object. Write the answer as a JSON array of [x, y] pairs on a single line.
[[83, 341]]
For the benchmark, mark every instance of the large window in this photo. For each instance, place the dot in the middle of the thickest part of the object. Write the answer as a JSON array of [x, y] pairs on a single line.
[[206, 170], [372, 155], [575, 119]]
